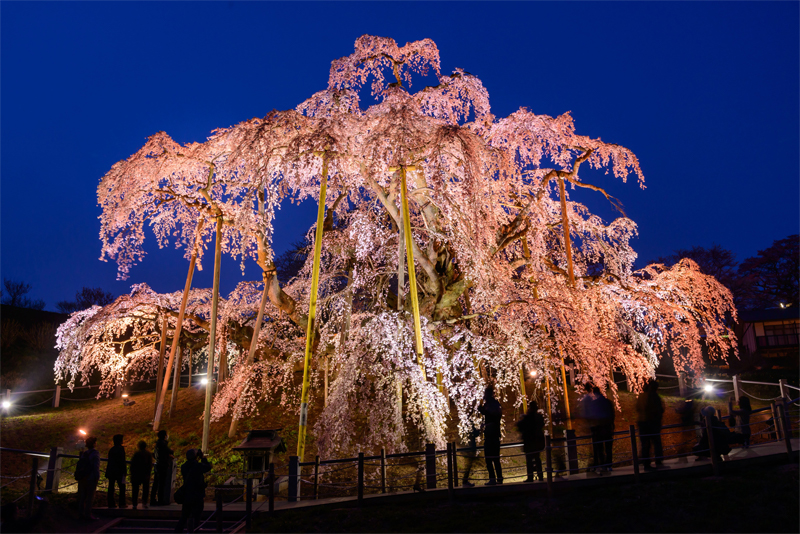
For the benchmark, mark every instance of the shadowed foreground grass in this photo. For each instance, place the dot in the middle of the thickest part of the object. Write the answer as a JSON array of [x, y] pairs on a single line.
[[756, 499]]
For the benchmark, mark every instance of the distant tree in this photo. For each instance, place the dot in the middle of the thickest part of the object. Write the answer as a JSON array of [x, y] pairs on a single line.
[[773, 276], [14, 293], [86, 298], [715, 261]]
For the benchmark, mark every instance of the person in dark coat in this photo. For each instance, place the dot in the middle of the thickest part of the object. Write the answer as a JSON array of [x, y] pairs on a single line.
[[88, 479], [531, 426], [721, 436], [605, 429], [116, 472], [141, 466], [741, 420], [650, 411], [588, 408], [194, 489], [493, 414], [472, 454], [162, 476]]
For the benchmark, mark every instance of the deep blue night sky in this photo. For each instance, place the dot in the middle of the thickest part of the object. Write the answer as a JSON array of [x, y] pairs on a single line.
[[706, 95]]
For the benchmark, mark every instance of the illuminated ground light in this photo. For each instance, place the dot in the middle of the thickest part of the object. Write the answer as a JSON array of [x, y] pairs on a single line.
[[708, 388], [6, 405], [204, 381]]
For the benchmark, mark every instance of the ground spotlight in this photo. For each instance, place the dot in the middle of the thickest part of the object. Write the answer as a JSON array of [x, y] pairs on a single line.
[[82, 432], [708, 388], [204, 381], [534, 373], [6, 405]]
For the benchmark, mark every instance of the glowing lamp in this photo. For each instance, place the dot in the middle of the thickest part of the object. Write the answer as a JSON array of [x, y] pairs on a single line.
[[204, 381], [708, 388], [6, 405], [533, 373], [124, 395], [82, 432]]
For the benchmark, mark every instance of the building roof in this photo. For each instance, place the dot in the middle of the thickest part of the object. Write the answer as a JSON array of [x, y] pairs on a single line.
[[769, 314], [260, 440]]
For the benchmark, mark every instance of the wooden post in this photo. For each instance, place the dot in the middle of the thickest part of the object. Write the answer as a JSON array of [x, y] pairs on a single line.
[[784, 391], [549, 460], [572, 374], [712, 449], [430, 465], [572, 451], [383, 470], [523, 391], [249, 504], [53, 470], [360, 478], [176, 381], [565, 224], [118, 391], [212, 338], [566, 390], [547, 387], [778, 434], [736, 392], [294, 478], [450, 470], [271, 489], [218, 496], [682, 384], [455, 463], [57, 397], [161, 350], [32, 491], [412, 277], [787, 435], [316, 477], [634, 453]]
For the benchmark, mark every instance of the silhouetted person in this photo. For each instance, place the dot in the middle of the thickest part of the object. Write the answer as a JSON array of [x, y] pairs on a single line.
[[606, 414], [493, 414], [88, 475], [472, 454], [141, 466], [741, 420], [650, 411], [721, 436], [531, 426], [194, 489], [162, 476], [116, 472], [589, 409]]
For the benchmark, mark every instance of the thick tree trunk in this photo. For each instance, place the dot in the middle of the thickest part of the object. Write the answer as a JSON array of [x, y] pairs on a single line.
[[175, 341]]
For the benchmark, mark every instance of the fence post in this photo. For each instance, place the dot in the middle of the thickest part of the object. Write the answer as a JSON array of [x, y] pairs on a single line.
[[294, 478], [572, 374], [572, 451], [57, 397], [248, 507], [53, 470], [787, 436], [218, 497], [634, 453], [778, 433], [316, 477], [549, 460], [360, 478], [271, 492], [450, 470], [455, 463], [782, 385], [712, 449], [32, 492], [383, 470], [430, 465], [736, 392], [682, 383]]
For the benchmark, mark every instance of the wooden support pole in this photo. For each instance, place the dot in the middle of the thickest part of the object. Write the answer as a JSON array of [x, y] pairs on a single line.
[[565, 224], [430, 465], [312, 309], [218, 498], [572, 451], [162, 348], [53, 470], [412, 276], [57, 397], [212, 338], [784, 390], [523, 391], [271, 489], [712, 449], [787, 435], [249, 502], [778, 434], [294, 478], [360, 478], [32, 491], [634, 453], [176, 382], [548, 448], [383, 470], [316, 477], [736, 391], [450, 470], [455, 463], [566, 389]]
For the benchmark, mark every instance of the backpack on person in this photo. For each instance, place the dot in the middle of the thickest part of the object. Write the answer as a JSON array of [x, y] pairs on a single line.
[[83, 467]]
